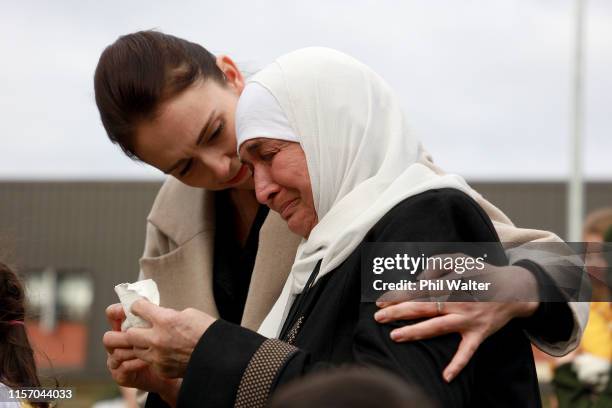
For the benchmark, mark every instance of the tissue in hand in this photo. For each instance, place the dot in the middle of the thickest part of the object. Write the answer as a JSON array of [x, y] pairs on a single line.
[[129, 293]]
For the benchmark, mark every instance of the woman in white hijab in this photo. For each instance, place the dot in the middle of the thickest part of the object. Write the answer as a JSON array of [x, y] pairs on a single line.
[[331, 153]]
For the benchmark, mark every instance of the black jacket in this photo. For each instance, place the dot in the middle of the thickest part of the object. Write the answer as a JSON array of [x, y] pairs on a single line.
[[329, 325]]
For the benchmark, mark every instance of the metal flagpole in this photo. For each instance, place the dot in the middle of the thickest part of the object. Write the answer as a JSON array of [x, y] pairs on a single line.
[[575, 196]]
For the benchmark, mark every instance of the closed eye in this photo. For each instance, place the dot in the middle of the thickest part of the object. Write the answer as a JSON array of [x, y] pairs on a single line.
[[217, 131], [186, 168], [267, 156]]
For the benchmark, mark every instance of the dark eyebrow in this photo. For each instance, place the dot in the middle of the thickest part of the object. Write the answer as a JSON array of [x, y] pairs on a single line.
[[200, 137]]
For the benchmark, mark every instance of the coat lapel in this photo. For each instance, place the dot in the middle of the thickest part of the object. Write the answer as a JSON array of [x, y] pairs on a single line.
[[183, 223], [275, 255]]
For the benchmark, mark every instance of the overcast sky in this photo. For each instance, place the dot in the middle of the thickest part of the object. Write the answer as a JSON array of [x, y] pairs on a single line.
[[486, 83]]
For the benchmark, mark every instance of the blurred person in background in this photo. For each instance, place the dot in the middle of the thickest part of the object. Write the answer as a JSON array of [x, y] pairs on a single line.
[[583, 380], [17, 364], [170, 103], [350, 386]]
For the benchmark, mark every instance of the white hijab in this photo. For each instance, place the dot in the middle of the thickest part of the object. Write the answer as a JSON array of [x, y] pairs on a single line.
[[362, 158]]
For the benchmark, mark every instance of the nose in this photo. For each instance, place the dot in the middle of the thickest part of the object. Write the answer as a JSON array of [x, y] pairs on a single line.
[[265, 187]]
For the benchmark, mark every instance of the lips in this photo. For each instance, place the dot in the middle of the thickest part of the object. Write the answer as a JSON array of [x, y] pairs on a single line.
[[287, 207], [239, 176]]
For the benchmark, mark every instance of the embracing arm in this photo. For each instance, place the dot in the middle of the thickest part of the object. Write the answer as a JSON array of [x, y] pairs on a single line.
[[567, 275], [548, 276], [557, 280], [553, 323]]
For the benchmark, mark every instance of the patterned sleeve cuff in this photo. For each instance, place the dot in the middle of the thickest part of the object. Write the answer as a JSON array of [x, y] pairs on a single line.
[[217, 364], [256, 383], [232, 366]]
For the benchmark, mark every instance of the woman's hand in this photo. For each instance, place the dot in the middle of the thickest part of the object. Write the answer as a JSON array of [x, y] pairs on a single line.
[[126, 368], [168, 344], [474, 321], [115, 316], [135, 373], [129, 371]]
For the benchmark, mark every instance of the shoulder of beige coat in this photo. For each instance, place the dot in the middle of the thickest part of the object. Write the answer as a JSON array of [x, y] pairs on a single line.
[[181, 212]]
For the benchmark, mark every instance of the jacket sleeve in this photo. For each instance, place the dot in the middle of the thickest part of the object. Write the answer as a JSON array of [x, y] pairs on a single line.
[[234, 366], [231, 364], [577, 309], [565, 272]]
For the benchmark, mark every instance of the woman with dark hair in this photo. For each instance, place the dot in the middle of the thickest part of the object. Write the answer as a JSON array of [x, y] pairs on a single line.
[[17, 365], [171, 104]]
